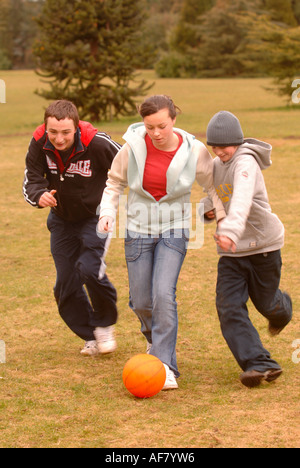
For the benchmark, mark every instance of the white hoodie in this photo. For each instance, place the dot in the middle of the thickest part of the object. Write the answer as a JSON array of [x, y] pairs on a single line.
[[144, 214], [240, 184]]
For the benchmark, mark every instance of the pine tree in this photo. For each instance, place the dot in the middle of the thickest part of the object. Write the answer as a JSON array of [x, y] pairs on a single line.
[[281, 47], [221, 37], [88, 51], [17, 31], [296, 10], [184, 34], [176, 61], [286, 63], [274, 49], [5, 36], [281, 11], [241, 38]]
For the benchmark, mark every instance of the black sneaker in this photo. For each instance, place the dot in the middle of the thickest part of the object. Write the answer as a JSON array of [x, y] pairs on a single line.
[[253, 378]]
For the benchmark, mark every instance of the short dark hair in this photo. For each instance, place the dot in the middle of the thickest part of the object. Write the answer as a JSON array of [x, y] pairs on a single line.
[[62, 109], [154, 104]]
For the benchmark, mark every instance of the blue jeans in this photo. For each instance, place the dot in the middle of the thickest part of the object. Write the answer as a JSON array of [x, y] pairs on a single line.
[[153, 266]]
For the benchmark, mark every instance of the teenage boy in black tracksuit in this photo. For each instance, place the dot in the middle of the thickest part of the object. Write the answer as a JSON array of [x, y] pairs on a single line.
[[66, 169]]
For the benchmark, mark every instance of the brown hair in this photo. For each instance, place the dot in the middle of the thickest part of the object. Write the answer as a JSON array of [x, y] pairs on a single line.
[[62, 109], [154, 104]]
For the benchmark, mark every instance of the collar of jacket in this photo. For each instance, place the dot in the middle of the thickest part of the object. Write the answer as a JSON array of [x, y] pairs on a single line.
[[83, 136], [135, 137]]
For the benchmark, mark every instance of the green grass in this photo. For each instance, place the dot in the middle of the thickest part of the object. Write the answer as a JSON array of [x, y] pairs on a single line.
[[52, 397]]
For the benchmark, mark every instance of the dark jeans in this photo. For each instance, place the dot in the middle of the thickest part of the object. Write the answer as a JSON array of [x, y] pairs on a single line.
[[77, 253], [257, 277]]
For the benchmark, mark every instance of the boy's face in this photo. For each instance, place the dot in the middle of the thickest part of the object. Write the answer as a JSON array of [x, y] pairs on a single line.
[[61, 133], [224, 153]]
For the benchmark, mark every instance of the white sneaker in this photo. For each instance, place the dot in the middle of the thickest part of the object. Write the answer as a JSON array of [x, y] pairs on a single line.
[[105, 339], [170, 383], [90, 349]]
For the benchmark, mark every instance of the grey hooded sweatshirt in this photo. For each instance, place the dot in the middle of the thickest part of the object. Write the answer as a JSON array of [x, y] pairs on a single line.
[[240, 184]]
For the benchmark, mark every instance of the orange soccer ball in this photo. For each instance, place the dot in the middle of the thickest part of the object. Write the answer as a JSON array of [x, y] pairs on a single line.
[[144, 375]]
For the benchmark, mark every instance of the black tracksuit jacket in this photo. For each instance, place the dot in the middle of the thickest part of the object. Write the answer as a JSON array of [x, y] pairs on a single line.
[[79, 183]]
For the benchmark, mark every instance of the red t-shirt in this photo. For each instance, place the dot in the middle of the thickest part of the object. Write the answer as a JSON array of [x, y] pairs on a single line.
[[157, 164]]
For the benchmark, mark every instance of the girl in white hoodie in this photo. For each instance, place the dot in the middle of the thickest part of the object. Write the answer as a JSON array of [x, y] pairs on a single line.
[[159, 163]]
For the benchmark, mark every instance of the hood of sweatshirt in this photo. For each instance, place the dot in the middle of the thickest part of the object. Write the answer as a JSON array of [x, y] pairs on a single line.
[[260, 150], [184, 158]]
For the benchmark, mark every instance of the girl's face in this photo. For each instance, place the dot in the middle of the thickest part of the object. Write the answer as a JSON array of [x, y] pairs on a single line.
[[159, 127]]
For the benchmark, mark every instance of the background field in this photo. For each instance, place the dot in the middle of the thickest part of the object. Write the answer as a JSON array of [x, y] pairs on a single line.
[[50, 396]]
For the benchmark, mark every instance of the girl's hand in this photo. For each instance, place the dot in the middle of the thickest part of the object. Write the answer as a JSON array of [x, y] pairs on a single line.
[[105, 224]]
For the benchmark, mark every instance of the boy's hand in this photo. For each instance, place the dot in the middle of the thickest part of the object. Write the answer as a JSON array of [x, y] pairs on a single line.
[[210, 214], [225, 243], [48, 200]]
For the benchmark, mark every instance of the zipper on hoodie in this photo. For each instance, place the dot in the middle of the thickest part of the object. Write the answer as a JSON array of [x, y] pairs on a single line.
[[59, 162]]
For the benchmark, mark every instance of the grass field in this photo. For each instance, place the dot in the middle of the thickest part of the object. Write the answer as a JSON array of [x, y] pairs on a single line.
[[52, 397]]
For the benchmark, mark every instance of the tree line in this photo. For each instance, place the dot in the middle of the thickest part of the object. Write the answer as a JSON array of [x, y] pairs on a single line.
[[90, 48], [245, 38]]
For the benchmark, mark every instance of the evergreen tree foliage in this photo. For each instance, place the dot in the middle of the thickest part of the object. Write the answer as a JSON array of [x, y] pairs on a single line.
[[296, 10], [88, 52], [281, 11], [215, 46], [17, 32], [239, 38], [162, 17], [221, 39], [184, 34], [159, 6], [175, 61], [5, 38], [281, 48]]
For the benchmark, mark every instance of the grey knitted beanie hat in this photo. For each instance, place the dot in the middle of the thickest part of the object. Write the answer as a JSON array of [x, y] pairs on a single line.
[[224, 129]]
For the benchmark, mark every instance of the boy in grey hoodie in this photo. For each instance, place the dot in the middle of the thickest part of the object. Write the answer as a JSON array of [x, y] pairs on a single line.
[[249, 240]]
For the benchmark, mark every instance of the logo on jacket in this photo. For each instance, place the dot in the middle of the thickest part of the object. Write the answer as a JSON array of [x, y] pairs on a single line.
[[224, 191], [82, 168]]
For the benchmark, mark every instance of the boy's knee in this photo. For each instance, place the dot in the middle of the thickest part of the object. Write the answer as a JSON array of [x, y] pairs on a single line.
[[281, 305], [85, 270]]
